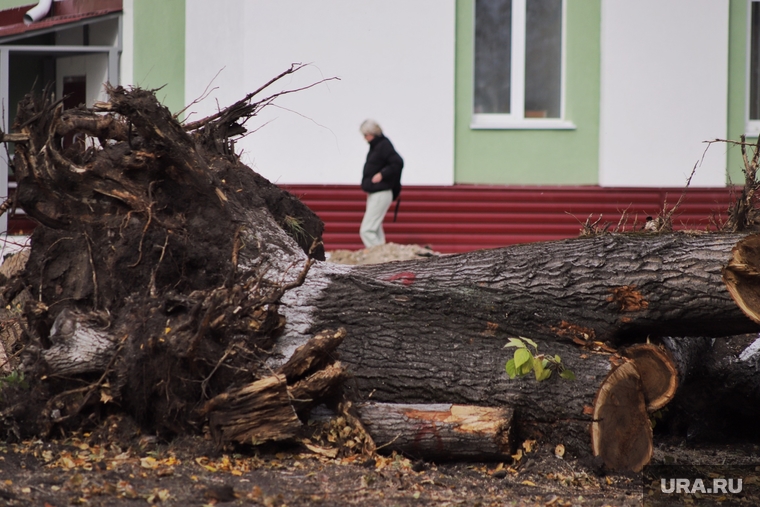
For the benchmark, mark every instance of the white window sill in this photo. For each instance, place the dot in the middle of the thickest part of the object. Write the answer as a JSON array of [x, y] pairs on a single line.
[[752, 128], [528, 124]]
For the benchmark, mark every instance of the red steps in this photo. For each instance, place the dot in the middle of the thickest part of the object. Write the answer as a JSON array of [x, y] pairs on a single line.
[[469, 217]]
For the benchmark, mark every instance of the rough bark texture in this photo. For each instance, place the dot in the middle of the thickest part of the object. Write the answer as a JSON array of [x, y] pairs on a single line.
[[613, 287], [433, 330]]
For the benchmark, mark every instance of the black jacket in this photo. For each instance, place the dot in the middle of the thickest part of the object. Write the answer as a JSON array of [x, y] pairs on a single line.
[[382, 158]]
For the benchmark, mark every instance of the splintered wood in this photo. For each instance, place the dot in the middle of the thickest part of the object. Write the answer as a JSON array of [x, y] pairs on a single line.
[[267, 410]]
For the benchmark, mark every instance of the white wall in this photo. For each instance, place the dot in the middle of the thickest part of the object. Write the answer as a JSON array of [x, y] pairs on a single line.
[[95, 67], [126, 62], [395, 61], [663, 92]]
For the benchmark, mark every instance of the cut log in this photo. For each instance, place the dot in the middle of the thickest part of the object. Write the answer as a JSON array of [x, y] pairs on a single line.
[[645, 381], [614, 288], [621, 433], [659, 377], [439, 431], [742, 276]]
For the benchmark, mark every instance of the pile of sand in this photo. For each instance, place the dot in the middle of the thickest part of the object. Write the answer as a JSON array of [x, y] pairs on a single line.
[[379, 254]]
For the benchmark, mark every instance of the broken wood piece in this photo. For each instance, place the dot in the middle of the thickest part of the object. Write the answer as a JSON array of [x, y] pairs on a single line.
[[659, 377], [620, 432], [310, 391], [439, 431], [312, 354], [254, 414]]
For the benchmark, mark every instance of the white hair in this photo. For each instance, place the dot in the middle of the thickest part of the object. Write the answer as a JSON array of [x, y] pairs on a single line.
[[371, 127]]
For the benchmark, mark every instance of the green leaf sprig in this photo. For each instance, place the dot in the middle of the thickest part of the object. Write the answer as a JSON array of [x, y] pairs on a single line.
[[526, 361]]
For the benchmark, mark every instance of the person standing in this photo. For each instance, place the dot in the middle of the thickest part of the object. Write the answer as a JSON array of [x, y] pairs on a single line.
[[381, 180]]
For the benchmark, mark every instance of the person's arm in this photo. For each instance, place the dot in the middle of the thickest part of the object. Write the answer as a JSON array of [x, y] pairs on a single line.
[[393, 165]]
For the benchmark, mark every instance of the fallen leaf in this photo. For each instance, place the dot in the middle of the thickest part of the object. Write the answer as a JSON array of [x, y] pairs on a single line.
[[148, 462], [322, 451]]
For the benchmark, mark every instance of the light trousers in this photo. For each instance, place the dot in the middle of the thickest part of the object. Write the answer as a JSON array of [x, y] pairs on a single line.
[[371, 229]]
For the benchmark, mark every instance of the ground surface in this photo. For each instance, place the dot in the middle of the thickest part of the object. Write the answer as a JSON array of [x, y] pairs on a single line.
[[191, 472], [77, 471]]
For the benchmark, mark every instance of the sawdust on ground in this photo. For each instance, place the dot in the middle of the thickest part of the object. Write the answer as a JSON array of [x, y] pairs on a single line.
[[379, 254]]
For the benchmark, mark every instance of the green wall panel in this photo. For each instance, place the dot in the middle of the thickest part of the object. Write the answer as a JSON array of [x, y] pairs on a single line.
[[159, 49], [534, 157], [737, 88], [9, 4]]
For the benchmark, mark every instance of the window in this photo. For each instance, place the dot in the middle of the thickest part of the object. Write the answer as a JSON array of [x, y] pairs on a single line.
[[753, 70], [518, 81]]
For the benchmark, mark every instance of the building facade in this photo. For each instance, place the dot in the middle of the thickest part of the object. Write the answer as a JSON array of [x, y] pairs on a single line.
[[576, 94]]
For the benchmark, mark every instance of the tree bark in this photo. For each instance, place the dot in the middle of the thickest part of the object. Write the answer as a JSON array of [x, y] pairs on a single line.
[[439, 431], [433, 330]]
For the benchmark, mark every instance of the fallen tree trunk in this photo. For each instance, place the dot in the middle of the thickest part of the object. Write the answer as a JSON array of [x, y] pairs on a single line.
[[433, 330], [617, 288]]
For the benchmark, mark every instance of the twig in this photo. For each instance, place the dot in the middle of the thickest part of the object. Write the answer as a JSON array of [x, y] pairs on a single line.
[[203, 96], [94, 273], [388, 443], [158, 264], [147, 224], [260, 104], [205, 382], [200, 123]]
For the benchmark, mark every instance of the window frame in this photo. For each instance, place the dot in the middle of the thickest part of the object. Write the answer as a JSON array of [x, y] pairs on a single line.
[[751, 127], [516, 118]]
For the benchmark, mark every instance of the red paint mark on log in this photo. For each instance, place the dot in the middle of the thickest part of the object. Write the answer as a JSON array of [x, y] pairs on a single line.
[[405, 277], [428, 429]]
